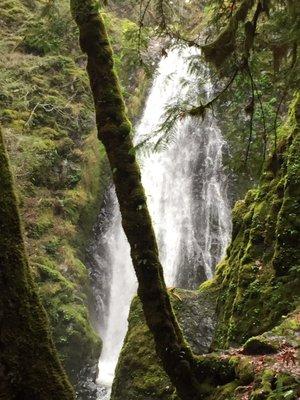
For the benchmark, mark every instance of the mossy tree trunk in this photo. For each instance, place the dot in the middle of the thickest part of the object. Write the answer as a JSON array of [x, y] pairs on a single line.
[[29, 365], [114, 130]]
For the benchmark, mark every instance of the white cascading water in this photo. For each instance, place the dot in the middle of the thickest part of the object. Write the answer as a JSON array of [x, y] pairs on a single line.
[[187, 196]]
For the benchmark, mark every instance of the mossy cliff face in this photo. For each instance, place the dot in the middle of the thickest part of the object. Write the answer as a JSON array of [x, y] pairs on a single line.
[[259, 278], [29, 364], [254, 297], [47, 115], [45, 111], [139, 374]]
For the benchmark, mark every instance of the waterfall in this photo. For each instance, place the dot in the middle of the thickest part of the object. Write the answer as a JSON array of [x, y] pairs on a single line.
[[186, 190]]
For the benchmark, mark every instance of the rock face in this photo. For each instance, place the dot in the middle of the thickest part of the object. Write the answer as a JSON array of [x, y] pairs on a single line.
[[259, 278], [196, 315], [139, 374]]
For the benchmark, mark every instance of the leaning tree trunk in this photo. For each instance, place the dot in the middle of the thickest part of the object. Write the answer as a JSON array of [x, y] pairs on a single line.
[[114, 130], [29, 365]]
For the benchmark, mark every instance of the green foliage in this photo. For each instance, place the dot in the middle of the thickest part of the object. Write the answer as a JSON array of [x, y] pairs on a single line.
[[50, 32], [258, 43], [265, 83]]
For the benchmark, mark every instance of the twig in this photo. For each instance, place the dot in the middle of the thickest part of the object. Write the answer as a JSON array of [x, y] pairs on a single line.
[[141, 24], [32, 113], [49, 108], [199, 110]]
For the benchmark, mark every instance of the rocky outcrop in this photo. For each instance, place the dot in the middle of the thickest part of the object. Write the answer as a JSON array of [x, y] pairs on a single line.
[[139, 374], [258, 280]]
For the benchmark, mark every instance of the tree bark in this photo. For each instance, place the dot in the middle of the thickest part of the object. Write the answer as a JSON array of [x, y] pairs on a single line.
[[114, 130], [29, 364]]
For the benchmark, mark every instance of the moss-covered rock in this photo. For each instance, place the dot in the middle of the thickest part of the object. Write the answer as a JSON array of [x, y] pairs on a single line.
[[139, 374], [259, 278], [259, 345]]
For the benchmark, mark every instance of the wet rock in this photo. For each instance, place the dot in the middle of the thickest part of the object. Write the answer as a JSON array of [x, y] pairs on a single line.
[[86, 388]]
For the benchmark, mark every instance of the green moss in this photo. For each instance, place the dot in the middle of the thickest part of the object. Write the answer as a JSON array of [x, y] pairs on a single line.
[[60, 168], [206, 285], [139, 373], [29, 364], [259, 345], [245, 371], [13, 11], [257, 280], [226, 392], [75, 340], [289, 326], [38, 228]]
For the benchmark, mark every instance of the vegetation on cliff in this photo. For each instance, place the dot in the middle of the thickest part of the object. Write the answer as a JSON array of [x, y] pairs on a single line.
[[56, 161], [29, 364], [46, 113], [259, 278]]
